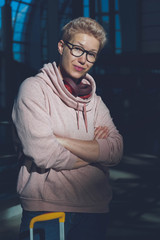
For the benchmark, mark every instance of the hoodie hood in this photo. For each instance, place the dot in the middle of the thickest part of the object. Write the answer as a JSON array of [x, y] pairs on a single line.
[[50, 74]]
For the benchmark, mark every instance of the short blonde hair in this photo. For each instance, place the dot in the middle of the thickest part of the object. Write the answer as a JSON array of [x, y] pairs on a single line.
[[84, 25]]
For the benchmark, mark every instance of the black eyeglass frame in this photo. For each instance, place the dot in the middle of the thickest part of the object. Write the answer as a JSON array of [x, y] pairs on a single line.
[[83, 51]]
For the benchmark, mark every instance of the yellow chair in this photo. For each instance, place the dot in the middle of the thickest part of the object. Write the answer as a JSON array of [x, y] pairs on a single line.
[[46, 217]]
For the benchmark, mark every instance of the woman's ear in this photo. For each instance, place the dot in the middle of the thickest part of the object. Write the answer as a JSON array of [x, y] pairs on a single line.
[[60, 46]]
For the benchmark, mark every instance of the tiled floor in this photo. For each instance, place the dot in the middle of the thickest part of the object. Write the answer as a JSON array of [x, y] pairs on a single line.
[[10, 215], [135, 209]]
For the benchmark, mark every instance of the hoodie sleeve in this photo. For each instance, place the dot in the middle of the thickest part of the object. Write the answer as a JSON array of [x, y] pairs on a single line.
[[33, 125], [111, 148]]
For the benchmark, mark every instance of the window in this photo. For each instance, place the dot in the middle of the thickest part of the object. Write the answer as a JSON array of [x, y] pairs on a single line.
[[103, 14], [20, 14], [118, 42], [2, 2], [65, 12], [86, 8]]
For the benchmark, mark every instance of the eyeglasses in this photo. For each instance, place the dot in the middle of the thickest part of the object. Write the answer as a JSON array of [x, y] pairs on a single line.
[[78, 51]]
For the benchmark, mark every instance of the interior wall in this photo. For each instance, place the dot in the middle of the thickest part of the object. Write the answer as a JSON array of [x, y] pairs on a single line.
[[150, 26], [129, 12]]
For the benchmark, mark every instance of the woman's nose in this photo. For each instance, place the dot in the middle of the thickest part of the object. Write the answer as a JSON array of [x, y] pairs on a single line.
[[82, 59]]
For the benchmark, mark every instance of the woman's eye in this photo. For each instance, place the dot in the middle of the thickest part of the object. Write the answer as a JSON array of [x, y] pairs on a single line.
[[92, 55], [78, 49]]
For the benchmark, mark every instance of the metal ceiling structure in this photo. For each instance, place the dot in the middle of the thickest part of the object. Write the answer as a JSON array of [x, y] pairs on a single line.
[[20, 12]]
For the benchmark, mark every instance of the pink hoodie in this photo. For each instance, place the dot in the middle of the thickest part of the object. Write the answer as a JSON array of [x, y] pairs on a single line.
[[45, 108]]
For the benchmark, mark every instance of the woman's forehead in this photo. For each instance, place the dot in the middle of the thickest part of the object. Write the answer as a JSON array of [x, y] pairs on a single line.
[[85, 40]]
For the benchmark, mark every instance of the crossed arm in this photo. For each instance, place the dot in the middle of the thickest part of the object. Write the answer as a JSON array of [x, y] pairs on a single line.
[[86, 151]]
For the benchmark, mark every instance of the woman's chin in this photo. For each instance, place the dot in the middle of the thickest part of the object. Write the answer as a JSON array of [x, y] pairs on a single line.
[[77, 76]]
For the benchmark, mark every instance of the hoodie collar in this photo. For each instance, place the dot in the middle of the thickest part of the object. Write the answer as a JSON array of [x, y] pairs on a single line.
[[50, 74]]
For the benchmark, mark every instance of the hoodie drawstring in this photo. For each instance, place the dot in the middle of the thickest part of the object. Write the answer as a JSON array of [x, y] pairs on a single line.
[[78, 116], [85, 116]]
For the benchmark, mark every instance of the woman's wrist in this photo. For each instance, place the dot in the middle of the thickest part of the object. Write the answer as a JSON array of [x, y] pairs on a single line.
[[83, 149]]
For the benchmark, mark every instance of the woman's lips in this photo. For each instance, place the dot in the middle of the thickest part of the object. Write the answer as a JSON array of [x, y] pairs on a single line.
[[79, 69]]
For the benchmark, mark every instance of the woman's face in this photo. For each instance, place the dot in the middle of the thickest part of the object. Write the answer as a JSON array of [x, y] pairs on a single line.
[[77, 67]]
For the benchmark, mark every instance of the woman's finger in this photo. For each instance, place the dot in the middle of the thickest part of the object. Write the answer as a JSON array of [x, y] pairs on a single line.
[[101, 132]]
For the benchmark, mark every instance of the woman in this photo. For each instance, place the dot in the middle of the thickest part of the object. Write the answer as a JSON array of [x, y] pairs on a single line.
[[67, 139]]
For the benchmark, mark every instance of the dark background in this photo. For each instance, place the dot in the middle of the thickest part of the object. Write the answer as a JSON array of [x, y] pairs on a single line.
[[127, 74]]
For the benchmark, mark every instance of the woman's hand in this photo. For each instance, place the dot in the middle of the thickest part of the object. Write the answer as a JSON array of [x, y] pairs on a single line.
[[101, 132]]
